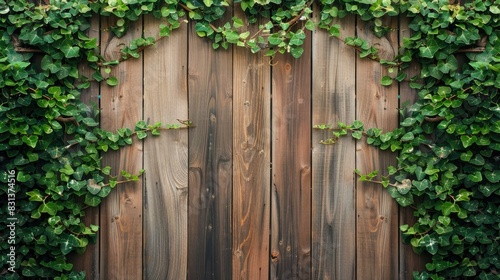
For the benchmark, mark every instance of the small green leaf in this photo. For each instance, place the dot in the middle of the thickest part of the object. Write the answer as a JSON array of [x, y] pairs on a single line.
[[92, 200], [112, 81], [76, 185], [49, 207], [408, 136], [90, 122], [31, 140], [475, 177], [467, 140], [386, 81], [70, 51], [430, 244], [357, 134], [141, 134], [93, 187]]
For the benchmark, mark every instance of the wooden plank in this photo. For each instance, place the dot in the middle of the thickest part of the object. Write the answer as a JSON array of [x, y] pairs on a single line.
[[409, 260], [333, 182], [210, 160], [121, 211], [291, 158], [89, 261], [165, 156], [251, 171], [377, 213]]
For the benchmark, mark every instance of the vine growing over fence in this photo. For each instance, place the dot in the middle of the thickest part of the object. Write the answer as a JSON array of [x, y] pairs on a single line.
[[448, 141]]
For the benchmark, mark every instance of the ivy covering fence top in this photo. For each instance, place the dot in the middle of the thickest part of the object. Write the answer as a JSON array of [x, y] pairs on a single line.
[[447, 144]]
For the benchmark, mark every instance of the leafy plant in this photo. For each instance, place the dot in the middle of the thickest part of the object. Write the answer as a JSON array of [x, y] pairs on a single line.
[[448, 141]]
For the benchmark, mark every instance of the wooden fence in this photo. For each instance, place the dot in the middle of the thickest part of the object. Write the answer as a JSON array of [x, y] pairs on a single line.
[[249, 192]]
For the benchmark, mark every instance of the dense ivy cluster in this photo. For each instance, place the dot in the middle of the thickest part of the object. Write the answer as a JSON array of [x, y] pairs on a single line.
[[448, 141]]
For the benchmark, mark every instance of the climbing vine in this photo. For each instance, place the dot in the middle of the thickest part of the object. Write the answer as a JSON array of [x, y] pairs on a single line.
[[448, 142]]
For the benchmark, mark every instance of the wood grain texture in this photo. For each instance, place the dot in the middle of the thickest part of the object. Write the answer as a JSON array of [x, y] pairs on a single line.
[[165, 156], [251, 177], [291, 157], [121, 211], [89, 261], [210, 160], [409, 261], [333, 187], [377, 213]]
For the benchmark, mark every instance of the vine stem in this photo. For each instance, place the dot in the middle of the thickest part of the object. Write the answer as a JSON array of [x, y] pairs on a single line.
[[294, 20], [189, 10]]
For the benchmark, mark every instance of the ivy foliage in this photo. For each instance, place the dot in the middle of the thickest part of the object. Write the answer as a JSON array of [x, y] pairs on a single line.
[[448, 141]]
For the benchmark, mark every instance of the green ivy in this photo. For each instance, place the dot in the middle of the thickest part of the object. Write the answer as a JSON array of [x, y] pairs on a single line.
[[448, 142]]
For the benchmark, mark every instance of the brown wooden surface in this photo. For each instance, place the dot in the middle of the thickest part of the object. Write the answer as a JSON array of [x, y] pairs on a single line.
[[210, 160], [249, 193], [251, 152], [377, 232], [121, 212], [165, 156], [291, 170], [333, 182]]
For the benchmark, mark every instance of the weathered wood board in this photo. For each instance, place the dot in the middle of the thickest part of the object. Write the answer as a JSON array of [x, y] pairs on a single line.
[[333, 182], [377, 233], [291, 166], [165, 156], [249, 192], [210, 160], [252, 162]]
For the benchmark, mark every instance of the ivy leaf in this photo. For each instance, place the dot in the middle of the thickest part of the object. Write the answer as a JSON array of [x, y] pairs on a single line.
[[467, 140], [30, 140], [334, 30], [430, 244], [92, 200], [357, 134], [386, 81], [90, 122], [67, 245], [475, 177], [112, 81], [404, 187], [141, 134], [23, 177], [408, 136], [67, 169], [70, 51], [492, 176], [35, 195], [93, 187], [76, 185], [49, 207], [310, 25], [422, 185], [477, 160]]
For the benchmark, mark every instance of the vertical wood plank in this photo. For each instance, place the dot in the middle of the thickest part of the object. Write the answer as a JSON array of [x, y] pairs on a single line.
[[291, 157], [409, 260], [377, 213], [89, 261], [333, 193], [165, 156], [210, 160], [121, 211], [251, 177]]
